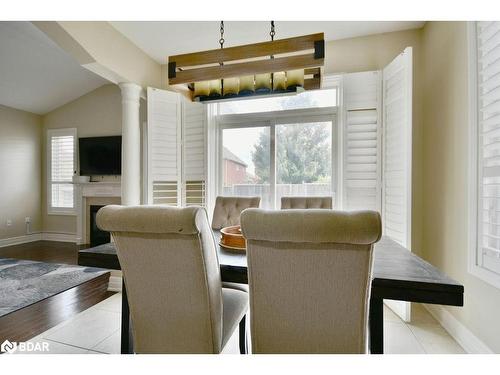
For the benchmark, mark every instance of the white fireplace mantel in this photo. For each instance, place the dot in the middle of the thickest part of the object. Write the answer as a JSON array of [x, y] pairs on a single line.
[[88, 190]]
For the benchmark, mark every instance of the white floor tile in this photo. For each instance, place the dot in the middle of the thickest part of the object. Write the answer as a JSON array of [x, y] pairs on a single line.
[[390, 316], [52, 348], [233, 345], [434, 339], [419, 314], [399, 339], [110, 345], [87, 329], [113, 303]]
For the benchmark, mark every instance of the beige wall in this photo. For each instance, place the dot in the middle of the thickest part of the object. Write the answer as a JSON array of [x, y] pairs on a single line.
[[97, 113], [374, 52], [20, 170], [446, 136]]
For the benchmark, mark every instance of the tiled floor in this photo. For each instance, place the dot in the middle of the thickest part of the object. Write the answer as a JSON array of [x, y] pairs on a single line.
[[97, 330]]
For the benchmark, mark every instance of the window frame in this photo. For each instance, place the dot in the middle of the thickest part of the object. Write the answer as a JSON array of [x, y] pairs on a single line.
[[272, 119], [51, 210], [474, 267]]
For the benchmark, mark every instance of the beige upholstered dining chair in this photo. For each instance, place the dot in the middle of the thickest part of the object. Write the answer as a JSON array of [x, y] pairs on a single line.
[[227, 210], [173, 282], [306, 202], [309, 278]]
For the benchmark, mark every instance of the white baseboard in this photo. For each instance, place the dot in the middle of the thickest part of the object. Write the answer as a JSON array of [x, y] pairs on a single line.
[[470, 342], [115, 284], [46, 236], [59, 237], [20, 239]]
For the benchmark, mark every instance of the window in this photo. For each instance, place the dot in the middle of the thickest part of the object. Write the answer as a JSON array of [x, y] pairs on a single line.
[[286, 151], [61, 151], [307, 99], [484, 40]]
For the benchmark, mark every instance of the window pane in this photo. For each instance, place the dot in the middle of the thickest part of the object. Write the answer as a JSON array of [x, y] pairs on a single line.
[[62, 195], [246, 163], [304, 160], [307, 99]]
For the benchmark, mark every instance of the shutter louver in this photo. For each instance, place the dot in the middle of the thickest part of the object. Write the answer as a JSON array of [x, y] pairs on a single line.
[[488, 92], [194, 153], [163, 147], [62, 166], [397, 149], [361, 141]]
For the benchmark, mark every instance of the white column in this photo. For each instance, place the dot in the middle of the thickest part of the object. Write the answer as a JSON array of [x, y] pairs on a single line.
[[131, 144]]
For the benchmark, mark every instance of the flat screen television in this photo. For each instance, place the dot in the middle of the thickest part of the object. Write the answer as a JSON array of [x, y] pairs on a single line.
[[100, 156]]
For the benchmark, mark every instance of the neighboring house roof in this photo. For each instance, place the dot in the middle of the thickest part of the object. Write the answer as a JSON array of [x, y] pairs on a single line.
[[228, 155]]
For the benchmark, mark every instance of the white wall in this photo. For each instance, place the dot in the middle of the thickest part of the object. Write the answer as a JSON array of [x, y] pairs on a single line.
[[20, 171], [446, 136], [95, 114]]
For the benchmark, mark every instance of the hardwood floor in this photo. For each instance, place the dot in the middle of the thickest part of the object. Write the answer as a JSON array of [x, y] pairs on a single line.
[[32, 320], [44, 251]]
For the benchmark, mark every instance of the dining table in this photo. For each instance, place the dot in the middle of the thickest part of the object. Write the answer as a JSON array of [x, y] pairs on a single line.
[[397, 274]]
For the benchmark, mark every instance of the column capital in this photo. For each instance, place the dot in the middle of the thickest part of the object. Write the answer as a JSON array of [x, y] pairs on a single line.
[[130, 91]]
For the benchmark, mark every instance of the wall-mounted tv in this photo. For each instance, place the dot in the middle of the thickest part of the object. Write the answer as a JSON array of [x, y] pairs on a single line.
[[100, 156]]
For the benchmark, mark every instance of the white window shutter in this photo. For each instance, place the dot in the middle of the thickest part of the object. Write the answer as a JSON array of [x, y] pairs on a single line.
[[164, 151], [60, 169], [361, 177], [397, 149], [488, 105], [194, 153]]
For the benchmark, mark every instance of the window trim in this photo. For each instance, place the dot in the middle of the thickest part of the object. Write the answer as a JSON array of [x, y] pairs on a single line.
[[51, 133], [270, 120], [474, 268]]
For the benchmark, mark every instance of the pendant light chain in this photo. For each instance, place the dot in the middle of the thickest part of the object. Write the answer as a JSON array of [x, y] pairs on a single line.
[[221, 40]]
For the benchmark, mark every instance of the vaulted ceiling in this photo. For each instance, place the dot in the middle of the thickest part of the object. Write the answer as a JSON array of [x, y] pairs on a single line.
[[36, 75]]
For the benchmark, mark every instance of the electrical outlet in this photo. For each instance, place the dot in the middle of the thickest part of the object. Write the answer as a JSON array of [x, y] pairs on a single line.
[[9, 222], [27, 219]]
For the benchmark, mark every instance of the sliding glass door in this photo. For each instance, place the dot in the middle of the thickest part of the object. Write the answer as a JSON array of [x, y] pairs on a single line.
[[304, 160], [276, 154]]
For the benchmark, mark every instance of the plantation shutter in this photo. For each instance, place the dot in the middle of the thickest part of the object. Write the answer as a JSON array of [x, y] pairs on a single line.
[[194, 158], [164, 116], [62, 144], [397, 148], [361, 181], [488, 94]]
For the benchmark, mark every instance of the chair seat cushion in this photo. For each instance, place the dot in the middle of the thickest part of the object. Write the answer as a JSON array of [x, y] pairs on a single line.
[[235, 306], [237, 286]]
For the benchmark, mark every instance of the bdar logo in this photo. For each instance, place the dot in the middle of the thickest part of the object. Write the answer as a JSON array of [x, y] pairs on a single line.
[[8, 347]]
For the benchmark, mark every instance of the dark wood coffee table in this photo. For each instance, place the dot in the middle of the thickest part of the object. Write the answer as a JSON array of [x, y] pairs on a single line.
[[397, 274]]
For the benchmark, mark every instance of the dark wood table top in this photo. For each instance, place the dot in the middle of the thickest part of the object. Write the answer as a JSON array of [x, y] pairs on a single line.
[[397, 273]]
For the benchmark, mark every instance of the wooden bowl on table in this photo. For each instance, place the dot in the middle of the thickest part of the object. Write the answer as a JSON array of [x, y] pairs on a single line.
[[232, 238]]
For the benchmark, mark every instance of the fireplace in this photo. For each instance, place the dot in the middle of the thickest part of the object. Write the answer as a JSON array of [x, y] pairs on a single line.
[[97, 236]]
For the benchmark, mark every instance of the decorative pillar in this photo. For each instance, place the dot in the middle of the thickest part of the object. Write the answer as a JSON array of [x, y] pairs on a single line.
[[131, 144]]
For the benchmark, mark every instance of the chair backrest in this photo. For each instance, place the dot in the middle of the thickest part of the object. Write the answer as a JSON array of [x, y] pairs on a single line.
[[306, 202], [309, 278], [171, 274], [227, 210]]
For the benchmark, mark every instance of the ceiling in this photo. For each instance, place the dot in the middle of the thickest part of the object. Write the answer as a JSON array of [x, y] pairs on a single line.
[[36, 75], [160, 39]]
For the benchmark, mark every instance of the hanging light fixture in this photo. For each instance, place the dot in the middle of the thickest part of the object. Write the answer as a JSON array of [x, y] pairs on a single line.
[[290, 69]]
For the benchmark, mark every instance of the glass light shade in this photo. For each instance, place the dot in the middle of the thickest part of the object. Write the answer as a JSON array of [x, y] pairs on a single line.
[[295, 78], [215, 87], [279, 81], [201, 89], [247, 86], [231, 86], [263, 82]]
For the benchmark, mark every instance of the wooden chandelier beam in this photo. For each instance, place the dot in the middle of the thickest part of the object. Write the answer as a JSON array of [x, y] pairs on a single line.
[[246, 68], [247, 51]]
